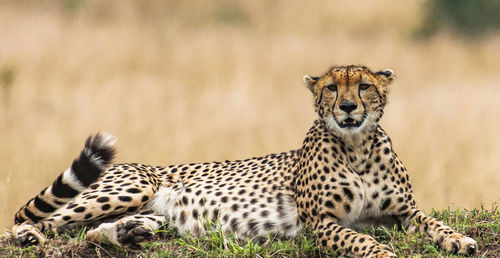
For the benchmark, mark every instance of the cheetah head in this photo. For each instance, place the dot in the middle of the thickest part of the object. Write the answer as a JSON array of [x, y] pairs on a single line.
[[350, 99]]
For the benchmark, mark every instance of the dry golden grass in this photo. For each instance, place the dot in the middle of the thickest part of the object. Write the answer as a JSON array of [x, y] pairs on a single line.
[[183, 81]]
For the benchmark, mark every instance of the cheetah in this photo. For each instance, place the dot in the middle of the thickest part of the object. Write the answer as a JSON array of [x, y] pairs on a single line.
[[346, 176]]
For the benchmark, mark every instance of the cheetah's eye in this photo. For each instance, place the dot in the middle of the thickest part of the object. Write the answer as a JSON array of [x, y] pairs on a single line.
[[332, 87], [364, 86]]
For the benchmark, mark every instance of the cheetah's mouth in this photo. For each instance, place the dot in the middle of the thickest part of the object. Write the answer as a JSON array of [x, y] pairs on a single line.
[[350, 123]]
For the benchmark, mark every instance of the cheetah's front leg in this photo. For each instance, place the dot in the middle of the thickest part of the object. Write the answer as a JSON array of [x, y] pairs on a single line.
[[349, 242], [129, 231], [444, 236]]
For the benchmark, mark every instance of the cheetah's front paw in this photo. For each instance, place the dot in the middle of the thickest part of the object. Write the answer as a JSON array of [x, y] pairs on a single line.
[[131, 233], [459, 244]]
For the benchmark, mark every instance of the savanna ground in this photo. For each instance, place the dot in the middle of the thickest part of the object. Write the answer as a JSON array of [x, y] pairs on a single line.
[[187, 81], [481, 224]]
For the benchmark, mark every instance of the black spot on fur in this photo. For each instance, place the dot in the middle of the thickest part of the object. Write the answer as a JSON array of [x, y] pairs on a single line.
[[182, 217], [348, 193], [269, 225], [385, 204], [124, 198], [79, 209], [102, 199], [347, 207], [133, 190], [235, 224]]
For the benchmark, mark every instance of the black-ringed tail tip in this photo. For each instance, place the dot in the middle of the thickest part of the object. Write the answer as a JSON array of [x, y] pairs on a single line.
[[100, 148], [94, 159]]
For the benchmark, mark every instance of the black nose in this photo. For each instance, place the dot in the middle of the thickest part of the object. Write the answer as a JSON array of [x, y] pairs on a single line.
[[347, 106]]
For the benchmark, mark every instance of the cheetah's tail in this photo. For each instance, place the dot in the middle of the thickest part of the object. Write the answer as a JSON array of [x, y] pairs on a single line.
[[94, 159]]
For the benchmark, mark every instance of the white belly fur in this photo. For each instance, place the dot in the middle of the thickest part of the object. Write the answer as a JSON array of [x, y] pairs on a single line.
[[246, 221]]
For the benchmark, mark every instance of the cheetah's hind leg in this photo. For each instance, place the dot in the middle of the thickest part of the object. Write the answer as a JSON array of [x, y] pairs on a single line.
[[27, 234], [32, 219]]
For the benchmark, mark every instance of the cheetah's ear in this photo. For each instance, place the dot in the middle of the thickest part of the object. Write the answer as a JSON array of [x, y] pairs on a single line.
[[309, 82], [386, 75]]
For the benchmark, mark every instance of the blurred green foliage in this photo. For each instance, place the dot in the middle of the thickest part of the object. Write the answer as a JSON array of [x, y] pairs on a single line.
[[230, 14], [470, 18], [72, 5], [7, 75]]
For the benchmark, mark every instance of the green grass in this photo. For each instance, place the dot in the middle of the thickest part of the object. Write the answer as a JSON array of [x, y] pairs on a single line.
[[481, 224]]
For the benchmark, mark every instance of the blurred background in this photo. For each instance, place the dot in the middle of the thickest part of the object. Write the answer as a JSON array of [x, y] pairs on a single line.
[[191, 81]]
